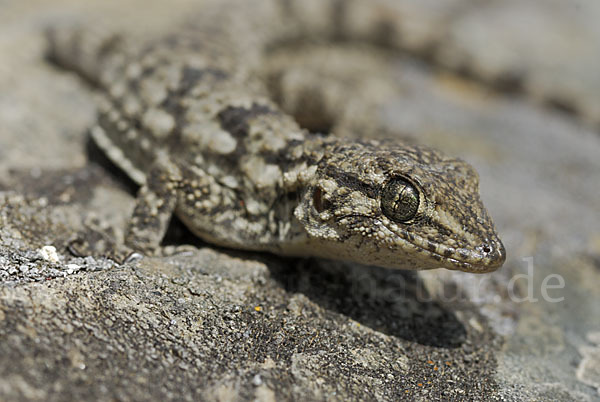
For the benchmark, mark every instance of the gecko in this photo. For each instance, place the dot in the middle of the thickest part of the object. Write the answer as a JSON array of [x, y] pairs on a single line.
[[189, 118]]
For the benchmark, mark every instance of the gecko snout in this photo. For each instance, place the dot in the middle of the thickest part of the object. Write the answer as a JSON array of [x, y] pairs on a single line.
[[494, 254]]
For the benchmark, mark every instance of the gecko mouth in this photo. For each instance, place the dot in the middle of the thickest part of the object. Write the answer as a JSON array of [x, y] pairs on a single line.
[[486, 257]]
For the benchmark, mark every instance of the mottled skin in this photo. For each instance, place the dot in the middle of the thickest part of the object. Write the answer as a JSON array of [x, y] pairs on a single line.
[[189, 118]]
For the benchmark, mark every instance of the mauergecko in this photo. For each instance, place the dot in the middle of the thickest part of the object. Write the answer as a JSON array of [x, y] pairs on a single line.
[[189, 119]]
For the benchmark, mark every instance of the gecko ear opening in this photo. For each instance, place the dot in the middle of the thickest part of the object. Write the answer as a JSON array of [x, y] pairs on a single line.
[[309, 214], [318, 200], [320, 203]]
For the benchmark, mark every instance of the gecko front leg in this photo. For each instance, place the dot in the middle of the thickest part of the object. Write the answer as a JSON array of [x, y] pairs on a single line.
[[155, 204]]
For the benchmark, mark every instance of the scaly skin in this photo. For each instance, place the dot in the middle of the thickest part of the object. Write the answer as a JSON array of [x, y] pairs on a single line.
[[190, 120]]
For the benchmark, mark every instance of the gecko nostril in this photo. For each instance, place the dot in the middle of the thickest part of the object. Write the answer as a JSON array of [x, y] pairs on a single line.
[[495, 252]]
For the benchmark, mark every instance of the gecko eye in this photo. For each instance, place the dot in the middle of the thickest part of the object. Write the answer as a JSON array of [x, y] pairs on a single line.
[[399, 200]]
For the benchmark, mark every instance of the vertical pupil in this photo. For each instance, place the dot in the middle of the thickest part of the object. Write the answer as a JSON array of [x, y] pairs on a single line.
[[402, 198]]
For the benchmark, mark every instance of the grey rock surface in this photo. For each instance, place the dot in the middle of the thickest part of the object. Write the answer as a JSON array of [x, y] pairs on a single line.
[[215, 324]]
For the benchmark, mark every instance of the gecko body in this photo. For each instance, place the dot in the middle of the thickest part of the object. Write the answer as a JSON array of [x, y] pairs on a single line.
[[189, 118]]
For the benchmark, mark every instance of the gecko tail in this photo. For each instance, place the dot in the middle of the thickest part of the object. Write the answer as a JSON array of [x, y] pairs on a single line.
[[376, 22], [90, 51]]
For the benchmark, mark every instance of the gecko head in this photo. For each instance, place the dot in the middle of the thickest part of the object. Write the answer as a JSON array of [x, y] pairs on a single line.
[[404, 207]]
